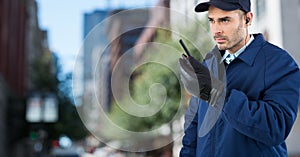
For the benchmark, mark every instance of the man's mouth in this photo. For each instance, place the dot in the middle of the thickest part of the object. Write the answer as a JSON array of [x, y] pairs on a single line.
[[220, 40]]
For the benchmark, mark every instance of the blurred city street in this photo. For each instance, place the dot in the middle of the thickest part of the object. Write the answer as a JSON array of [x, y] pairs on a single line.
[[121, 95]]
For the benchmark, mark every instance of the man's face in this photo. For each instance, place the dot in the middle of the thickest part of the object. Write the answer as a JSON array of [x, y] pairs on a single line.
[[228, 28]]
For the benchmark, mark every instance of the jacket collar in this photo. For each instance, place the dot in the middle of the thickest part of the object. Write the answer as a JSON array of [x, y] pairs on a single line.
[[248, 56]]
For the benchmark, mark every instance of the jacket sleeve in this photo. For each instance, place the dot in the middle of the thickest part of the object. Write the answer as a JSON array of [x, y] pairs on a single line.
[[270, 119], [189, 140]]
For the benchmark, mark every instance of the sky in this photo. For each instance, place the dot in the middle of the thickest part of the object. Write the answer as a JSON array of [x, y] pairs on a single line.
[[63, 19]]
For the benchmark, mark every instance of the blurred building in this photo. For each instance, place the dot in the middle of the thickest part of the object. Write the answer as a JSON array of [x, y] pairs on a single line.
[[159, 17], [125, 30], [130, 36], [92, 25], [12, 72], [104, 43], [13, 49], [280, 23], [95, 41], [22, 42], [123, 36]]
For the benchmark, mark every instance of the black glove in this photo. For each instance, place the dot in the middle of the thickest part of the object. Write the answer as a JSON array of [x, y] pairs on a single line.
[[197, 80]]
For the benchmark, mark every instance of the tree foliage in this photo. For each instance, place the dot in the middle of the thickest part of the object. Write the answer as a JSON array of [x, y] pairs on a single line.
[[44, 76], [69, 122], [152, 73], [46, 70]]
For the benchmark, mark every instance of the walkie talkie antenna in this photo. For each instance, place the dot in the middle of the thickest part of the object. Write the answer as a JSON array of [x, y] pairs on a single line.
[[184, 47]]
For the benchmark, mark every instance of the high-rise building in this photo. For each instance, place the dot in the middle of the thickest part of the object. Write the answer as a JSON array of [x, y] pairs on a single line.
[[94, 42], [104, 44], [93, 27], [126, 28], [22, 43], [12, 69]]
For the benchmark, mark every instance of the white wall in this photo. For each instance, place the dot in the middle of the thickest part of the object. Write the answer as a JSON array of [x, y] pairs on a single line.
[[270, 22], [282, 22], [291, 27]]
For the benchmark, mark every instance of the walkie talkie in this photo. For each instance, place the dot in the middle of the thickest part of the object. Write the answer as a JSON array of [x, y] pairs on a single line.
[[185, 48]]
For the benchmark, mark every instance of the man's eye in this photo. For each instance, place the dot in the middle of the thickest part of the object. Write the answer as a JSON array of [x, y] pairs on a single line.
[[224, 20]]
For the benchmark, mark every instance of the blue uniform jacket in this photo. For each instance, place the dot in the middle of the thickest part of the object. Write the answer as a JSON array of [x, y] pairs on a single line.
[[260, 107]]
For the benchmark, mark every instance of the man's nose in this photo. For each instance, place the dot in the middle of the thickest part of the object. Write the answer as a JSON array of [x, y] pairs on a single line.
[[216, 28]]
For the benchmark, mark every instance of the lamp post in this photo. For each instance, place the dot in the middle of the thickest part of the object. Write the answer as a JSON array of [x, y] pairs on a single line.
[[41, 109]]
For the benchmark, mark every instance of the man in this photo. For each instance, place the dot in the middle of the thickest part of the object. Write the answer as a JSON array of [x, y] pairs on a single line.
[[261, 91]]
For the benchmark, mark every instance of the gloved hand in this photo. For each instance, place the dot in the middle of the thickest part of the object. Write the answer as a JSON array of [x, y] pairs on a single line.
[[198, 81]]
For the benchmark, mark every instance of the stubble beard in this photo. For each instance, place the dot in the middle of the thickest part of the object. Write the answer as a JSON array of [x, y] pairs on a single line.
[[234, 43]]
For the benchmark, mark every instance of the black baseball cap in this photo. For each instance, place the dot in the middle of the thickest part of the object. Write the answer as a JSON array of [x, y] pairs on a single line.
[[227, 5]]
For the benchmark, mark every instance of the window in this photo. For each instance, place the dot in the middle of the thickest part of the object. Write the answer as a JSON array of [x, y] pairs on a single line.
[[260, 8]]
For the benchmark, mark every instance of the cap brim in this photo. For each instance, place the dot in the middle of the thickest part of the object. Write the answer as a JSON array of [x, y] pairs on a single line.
[[219, 4], [202, 7]]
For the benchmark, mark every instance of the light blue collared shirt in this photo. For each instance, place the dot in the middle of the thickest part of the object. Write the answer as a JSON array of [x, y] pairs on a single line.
[[240, 51]]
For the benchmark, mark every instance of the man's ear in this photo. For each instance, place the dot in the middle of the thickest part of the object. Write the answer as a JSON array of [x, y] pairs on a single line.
[[249, 17]]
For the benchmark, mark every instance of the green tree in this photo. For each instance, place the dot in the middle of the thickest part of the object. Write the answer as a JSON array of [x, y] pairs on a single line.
[[69, 122], [48, 77], [151, 73], [44, 73]]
